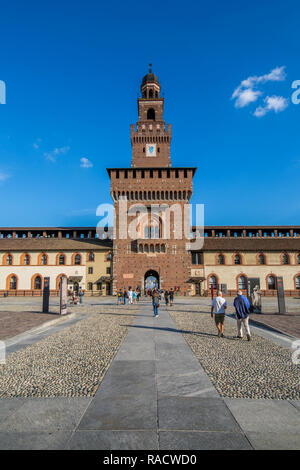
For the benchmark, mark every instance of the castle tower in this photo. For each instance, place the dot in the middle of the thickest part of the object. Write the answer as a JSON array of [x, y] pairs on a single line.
[[151, 201], [150, 138]]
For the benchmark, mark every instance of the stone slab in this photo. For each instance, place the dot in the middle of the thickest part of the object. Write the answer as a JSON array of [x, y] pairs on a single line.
[[274, 440], [121, 412], [203, 441], [9, 405], [265, 415], [195, 413], [114, 440], [43, 414], [190, 384], [34, 440]]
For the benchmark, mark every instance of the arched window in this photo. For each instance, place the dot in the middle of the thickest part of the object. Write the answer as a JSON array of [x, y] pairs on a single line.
[[213, 282], [150, 93], [9, 260], [90, 286], [220, 259], [242, 282], [77, 259], [298, 259], [26, 260], [151, 248], [261, 259], [108, 257], [237, 259], [44, 260], [13, 283], [151, 114], [91, 257], [146, 232], [163, 248], [61, 259], [271, 283], [141, 248], [38, 283], [156, 231], [285, 259], [298, 282]]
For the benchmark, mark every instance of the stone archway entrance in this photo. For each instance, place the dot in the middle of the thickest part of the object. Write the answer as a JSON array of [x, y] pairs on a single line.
[[151, 279]]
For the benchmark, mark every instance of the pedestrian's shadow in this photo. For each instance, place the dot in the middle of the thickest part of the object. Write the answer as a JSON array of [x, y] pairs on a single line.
[[172, 330], [184, 332]]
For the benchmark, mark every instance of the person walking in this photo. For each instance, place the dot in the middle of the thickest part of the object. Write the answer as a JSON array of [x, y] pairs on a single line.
[[171, 293], [219, 306], [242, 310], [124, 296], [130, 296], [166, 294], [80, 293], [155, 302], [119, 295]]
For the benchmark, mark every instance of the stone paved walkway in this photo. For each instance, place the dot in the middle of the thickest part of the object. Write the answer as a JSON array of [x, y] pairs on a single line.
[[15, 323], [289, 323], [155, 395]]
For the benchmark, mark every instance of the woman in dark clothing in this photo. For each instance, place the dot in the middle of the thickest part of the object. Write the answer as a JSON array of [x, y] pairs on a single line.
[[167, 297], [171, 297]]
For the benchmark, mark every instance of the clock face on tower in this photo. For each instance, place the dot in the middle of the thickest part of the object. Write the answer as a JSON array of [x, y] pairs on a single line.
[[150, 150]]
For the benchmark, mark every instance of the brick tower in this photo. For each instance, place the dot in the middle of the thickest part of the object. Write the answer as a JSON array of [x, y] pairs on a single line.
[[151, 204]]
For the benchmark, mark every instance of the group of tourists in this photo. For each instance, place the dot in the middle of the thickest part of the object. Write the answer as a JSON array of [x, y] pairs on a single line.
[[77, 295], [218, 307], [133, 296], [242, 310], [157, 295]]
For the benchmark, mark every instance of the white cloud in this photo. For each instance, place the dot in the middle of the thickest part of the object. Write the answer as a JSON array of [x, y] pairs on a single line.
[[272, 103], [36, 144], [247, 91], [85, 163], [3, 176], [52, 156], [246, 97]]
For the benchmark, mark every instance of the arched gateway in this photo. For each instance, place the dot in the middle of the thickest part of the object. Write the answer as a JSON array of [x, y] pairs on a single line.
[[151, 279]]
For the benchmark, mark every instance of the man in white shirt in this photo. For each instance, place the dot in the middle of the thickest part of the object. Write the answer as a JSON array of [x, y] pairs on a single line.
[[219, 306], [130, 296]]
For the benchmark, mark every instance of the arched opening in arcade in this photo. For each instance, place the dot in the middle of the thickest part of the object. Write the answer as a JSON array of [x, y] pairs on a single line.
[[151, 280]]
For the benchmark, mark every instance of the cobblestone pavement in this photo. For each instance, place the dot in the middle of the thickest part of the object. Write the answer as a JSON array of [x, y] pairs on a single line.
[[238, 368], [70, 363], [20, 314], [155, 394]]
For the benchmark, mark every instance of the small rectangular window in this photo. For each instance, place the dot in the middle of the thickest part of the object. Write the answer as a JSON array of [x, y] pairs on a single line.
[[126, 174], [168, 174], [185, 173], [151, 173], [143, 173], [134, 174], [197, 258], [117, 174]]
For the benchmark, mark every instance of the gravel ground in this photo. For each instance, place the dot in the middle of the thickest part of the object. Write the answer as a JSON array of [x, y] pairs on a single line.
[[70, 363], [238, 368]]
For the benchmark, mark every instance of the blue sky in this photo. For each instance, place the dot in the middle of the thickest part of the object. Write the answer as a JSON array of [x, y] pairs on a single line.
[[73, 70]]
